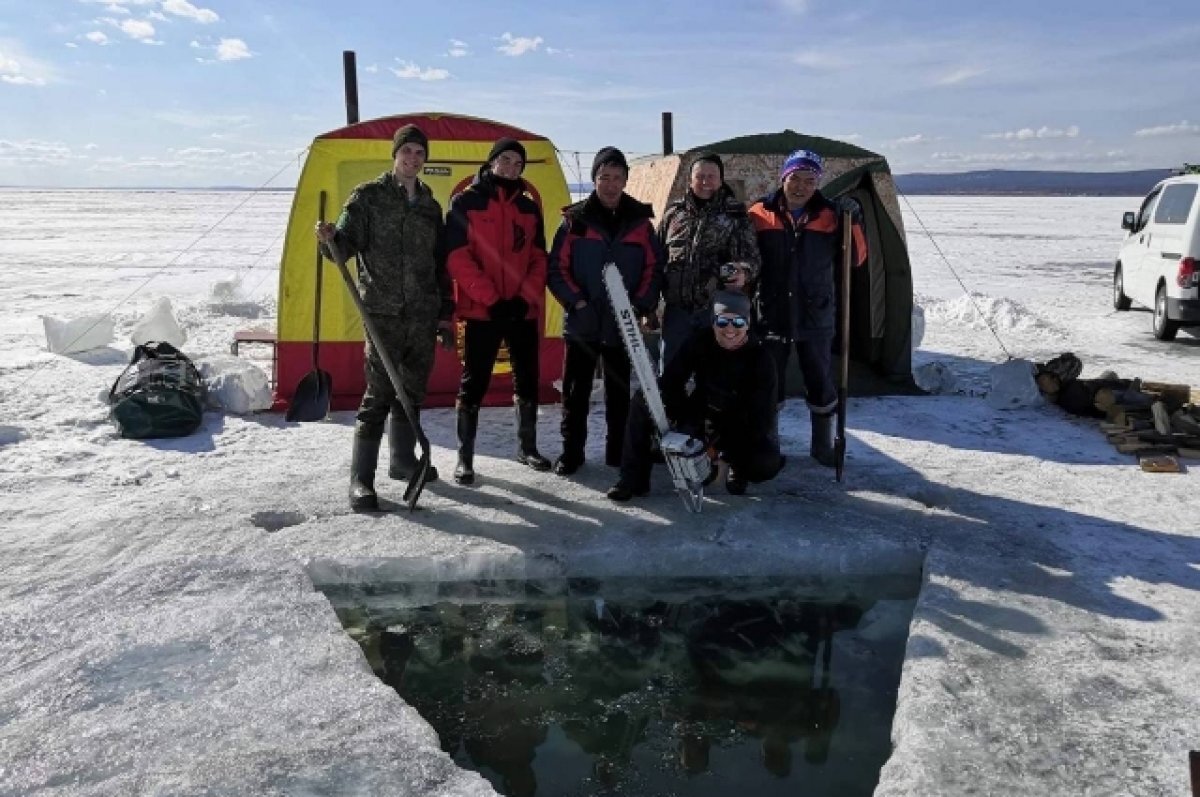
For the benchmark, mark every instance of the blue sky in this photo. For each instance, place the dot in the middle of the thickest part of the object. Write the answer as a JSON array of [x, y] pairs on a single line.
[[230, 92]]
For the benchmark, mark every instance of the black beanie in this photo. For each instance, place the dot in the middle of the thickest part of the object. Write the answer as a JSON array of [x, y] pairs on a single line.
[[709, 157], [609, 156], [507, 145], [730, 302], [409, 134]]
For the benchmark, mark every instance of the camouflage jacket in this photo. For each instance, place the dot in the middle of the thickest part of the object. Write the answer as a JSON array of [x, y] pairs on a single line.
[[698, 239], [400, 248]]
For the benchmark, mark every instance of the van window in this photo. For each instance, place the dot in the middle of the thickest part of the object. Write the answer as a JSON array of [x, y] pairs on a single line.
[[1144, 214], [1175, 204]]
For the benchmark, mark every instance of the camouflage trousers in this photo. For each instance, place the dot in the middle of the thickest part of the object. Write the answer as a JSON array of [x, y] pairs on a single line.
[[410, 344]]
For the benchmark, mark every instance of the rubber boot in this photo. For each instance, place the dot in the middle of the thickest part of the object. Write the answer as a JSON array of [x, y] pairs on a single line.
[[468, 424], [402, 440], [363, 459], [527, 453], [822, 438]]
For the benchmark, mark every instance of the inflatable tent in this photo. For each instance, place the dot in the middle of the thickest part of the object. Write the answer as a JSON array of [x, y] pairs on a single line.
[[337, 162], [881, 293]]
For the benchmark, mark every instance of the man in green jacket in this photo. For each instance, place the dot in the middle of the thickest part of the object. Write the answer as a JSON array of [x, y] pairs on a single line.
[[393, 227]]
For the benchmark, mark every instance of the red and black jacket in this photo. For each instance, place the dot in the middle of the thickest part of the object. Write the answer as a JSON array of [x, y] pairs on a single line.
[[589, 237], [795, 296], [496, 248]]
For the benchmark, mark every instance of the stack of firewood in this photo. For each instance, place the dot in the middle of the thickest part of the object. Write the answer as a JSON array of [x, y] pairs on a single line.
[[1155, 421]]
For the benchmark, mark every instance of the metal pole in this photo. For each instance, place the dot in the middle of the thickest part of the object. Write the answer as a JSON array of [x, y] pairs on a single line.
[[668, 133], [351, 75]]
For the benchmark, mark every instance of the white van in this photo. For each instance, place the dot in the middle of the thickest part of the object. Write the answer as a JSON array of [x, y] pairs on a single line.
[[1157, 265]]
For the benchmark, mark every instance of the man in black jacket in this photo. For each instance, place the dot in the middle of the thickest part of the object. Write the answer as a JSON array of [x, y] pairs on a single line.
[[608, 227], [800, 241], [732, 406]]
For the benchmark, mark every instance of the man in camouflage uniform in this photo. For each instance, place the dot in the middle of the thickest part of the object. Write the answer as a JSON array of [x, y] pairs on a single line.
[[393, 227], [701, 232]]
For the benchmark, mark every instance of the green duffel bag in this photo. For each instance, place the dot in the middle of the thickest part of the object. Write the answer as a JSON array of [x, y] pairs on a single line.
[[159, 394]]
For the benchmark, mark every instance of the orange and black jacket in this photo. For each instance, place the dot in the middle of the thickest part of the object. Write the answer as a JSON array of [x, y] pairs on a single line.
[[496, 248], [795, 295], [589, 237]]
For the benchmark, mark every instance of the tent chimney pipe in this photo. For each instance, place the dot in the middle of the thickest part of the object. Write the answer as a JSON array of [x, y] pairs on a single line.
[[351, 74], [668, 133]]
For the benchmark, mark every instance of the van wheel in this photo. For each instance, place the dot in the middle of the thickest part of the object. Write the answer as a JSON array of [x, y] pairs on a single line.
[[1120, 300], [1164, 328]]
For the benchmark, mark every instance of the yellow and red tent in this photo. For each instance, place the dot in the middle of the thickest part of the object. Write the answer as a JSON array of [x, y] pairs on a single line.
[[337, 162]]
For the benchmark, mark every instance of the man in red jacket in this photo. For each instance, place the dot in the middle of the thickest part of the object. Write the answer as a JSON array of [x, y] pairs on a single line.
[[497, 258]]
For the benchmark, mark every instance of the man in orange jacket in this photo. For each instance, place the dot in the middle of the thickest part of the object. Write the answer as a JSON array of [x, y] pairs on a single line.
[[497, 258]]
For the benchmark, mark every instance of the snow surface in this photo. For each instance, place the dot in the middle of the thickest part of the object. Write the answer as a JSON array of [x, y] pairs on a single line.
[[160, 630]]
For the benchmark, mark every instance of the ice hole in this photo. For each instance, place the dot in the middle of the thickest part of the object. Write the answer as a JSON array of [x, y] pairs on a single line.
[[683, 686]]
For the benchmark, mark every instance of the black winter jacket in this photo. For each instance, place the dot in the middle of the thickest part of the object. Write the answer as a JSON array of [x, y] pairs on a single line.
[[795, 295]]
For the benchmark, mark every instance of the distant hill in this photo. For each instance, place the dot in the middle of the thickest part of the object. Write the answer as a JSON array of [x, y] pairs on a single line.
[[1034, 183]]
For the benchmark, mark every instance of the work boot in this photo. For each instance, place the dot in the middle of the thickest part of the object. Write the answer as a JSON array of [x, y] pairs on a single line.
[[363, 459], [734, 483], [625, 489], [822, 438], [468, 424], [402, 440], [568, 462], [527, 453]]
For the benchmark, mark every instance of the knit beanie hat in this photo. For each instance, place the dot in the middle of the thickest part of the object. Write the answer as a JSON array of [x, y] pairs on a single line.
[[713, 158], [802, 159], [507, 145], [731, 302], [409, 134], [609, 156]]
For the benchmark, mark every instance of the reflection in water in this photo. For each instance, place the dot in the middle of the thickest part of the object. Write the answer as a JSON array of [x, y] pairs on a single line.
[[581, 694]]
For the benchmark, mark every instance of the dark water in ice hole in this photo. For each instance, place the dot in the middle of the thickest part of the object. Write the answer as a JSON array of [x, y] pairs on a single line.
[[681, 687]]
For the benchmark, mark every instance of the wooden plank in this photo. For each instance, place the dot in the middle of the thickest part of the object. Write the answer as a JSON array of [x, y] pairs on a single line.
[[1160, 463], [1140, 447]]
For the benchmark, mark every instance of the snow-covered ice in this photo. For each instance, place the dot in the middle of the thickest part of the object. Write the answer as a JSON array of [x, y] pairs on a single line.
[[160, 630]]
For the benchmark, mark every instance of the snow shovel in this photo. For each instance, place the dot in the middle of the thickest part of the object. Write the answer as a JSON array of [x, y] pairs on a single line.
[[839, 442], [310, 401], [417, 483]]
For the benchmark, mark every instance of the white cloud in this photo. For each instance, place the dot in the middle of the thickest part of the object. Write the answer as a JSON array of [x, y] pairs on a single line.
[[198, 121], [138, 29], [32, 152], [819, 61], [372, 69], [157, 15], [19, 70], [98, 37], [960, 75], [1112, 158], [794, 6], [410, 71], [182, 8], [849, 137], [916, 138], [1029, 134], [233, 50], [1184, 128], [458, 49], [519, 45]]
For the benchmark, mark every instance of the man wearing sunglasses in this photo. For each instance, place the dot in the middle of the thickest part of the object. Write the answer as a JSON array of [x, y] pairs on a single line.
[[732, 406], [800, 240]]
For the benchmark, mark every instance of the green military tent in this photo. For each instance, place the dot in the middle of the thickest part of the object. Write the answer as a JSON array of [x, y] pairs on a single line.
[[881, 292]]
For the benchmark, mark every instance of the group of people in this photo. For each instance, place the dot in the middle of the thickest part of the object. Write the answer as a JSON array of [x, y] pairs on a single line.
[[732, 288]]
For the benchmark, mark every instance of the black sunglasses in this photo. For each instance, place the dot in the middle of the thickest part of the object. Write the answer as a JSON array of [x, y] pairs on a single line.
[[739, 322]]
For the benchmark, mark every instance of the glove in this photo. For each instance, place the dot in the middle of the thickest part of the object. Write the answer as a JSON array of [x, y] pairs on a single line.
[[498, 310]]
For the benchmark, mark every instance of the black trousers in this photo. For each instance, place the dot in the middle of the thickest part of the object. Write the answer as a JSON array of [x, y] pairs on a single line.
[[747, 443], [816, 366], [481, 344], [579, 368]]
